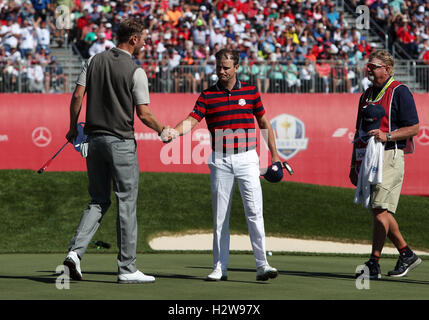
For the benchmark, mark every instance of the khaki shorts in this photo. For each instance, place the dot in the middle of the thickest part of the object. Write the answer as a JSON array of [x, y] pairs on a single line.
[[385, 195]]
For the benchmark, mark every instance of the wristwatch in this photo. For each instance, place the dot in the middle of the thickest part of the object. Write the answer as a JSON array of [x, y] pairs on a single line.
[[389, 137]]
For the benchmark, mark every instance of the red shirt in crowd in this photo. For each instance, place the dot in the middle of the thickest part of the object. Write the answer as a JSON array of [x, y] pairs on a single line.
[[426, 57], [404, 34], [82, 22]]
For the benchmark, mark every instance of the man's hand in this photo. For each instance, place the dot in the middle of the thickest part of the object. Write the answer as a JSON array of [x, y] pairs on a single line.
[[72, 134], [168, 134], [275, 159], [353, 176], [378, 135]]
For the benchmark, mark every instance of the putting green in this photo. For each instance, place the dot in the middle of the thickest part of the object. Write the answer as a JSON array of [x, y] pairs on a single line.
[[181, 277]]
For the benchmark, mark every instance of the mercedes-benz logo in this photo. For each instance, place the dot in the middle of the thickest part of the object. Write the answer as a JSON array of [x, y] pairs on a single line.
[[423, 136], [41, 136]]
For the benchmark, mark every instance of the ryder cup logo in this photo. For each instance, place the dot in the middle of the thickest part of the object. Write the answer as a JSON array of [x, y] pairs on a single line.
[[41, 136], [290, 137]]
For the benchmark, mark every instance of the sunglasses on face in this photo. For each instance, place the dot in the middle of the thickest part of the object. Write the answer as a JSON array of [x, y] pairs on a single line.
[[374, 66]]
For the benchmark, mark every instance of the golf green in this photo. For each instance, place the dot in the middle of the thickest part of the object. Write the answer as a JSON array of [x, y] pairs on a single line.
[[181, 277]]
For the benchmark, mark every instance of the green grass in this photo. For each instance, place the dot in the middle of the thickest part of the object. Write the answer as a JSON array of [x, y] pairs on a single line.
[[181, 277], [40, 213]]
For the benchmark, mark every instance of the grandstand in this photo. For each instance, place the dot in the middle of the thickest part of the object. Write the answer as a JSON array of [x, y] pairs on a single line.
[[286, 46]]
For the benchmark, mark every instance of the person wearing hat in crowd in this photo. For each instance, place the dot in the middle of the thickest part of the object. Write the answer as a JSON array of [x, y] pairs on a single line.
[[276, 74], [26, 37], [100, 45], [88, 35], [42, 56], [259, 72], [35, 76], [11, 69], [54, 76], [216, 35], [240, 26], [397, 128], [107, 30], [43, 34], [199, 33], [9, 33], [91, 35], [234, 157], [306, 75], [292, 76]]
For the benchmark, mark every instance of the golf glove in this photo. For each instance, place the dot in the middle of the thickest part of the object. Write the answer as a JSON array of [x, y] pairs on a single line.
[[84, 149]]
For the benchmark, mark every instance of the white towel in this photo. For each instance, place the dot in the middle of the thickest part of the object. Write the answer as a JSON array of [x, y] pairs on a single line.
[[371, 171]]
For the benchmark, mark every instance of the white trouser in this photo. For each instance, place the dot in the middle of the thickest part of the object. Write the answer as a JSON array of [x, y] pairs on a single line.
[[224, 169]]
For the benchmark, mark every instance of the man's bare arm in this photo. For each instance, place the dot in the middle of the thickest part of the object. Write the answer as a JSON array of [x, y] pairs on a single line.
[[186, 125], [75, 107]]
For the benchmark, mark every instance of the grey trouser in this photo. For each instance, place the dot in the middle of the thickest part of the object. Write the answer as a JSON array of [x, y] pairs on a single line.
[[111, 159]]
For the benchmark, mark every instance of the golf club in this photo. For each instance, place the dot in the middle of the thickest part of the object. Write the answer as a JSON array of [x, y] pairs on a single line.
[[288, 167], [47, 163]]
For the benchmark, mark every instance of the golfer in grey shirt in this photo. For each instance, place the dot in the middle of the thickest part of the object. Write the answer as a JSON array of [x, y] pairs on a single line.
[[116, 88]]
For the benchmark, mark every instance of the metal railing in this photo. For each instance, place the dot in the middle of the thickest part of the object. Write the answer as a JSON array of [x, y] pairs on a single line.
[[24, 77], [325, 76], [322, 77]]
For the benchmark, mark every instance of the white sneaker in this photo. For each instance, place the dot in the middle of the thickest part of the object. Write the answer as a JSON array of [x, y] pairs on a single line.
[[217, 274], [72, 262], [265, 272], [136, 277]]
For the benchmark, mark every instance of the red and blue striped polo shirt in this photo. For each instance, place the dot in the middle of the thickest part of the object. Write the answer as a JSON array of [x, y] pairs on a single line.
[[230, 116]]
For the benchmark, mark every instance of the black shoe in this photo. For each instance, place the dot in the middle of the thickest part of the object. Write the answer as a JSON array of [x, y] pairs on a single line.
[[405, 264], [374, 270]]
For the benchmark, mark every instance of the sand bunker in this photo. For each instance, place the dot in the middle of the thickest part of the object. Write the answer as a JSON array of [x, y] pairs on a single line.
[[242, 242]]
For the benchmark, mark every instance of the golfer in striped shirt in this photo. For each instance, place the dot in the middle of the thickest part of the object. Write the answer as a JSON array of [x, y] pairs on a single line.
[[229, 108]]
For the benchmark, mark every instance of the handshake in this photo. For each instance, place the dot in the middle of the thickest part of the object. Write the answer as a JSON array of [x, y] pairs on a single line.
[[168, 134]]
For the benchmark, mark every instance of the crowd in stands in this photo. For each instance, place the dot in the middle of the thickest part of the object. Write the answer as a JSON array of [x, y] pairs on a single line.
[[26, 63], [284, 45], [405, 22]]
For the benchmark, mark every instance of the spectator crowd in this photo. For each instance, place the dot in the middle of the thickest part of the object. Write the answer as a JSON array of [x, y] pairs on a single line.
[[284, 45], [26, 63]]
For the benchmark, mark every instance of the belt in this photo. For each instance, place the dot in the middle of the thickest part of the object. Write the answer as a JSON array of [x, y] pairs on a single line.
[[227, 152]]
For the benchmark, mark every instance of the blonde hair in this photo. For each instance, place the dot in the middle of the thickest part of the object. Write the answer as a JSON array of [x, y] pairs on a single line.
[[385, 57]]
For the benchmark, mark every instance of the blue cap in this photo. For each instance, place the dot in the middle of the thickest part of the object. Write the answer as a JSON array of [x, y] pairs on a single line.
[[371, 117], [274, 172], [81, 137]]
